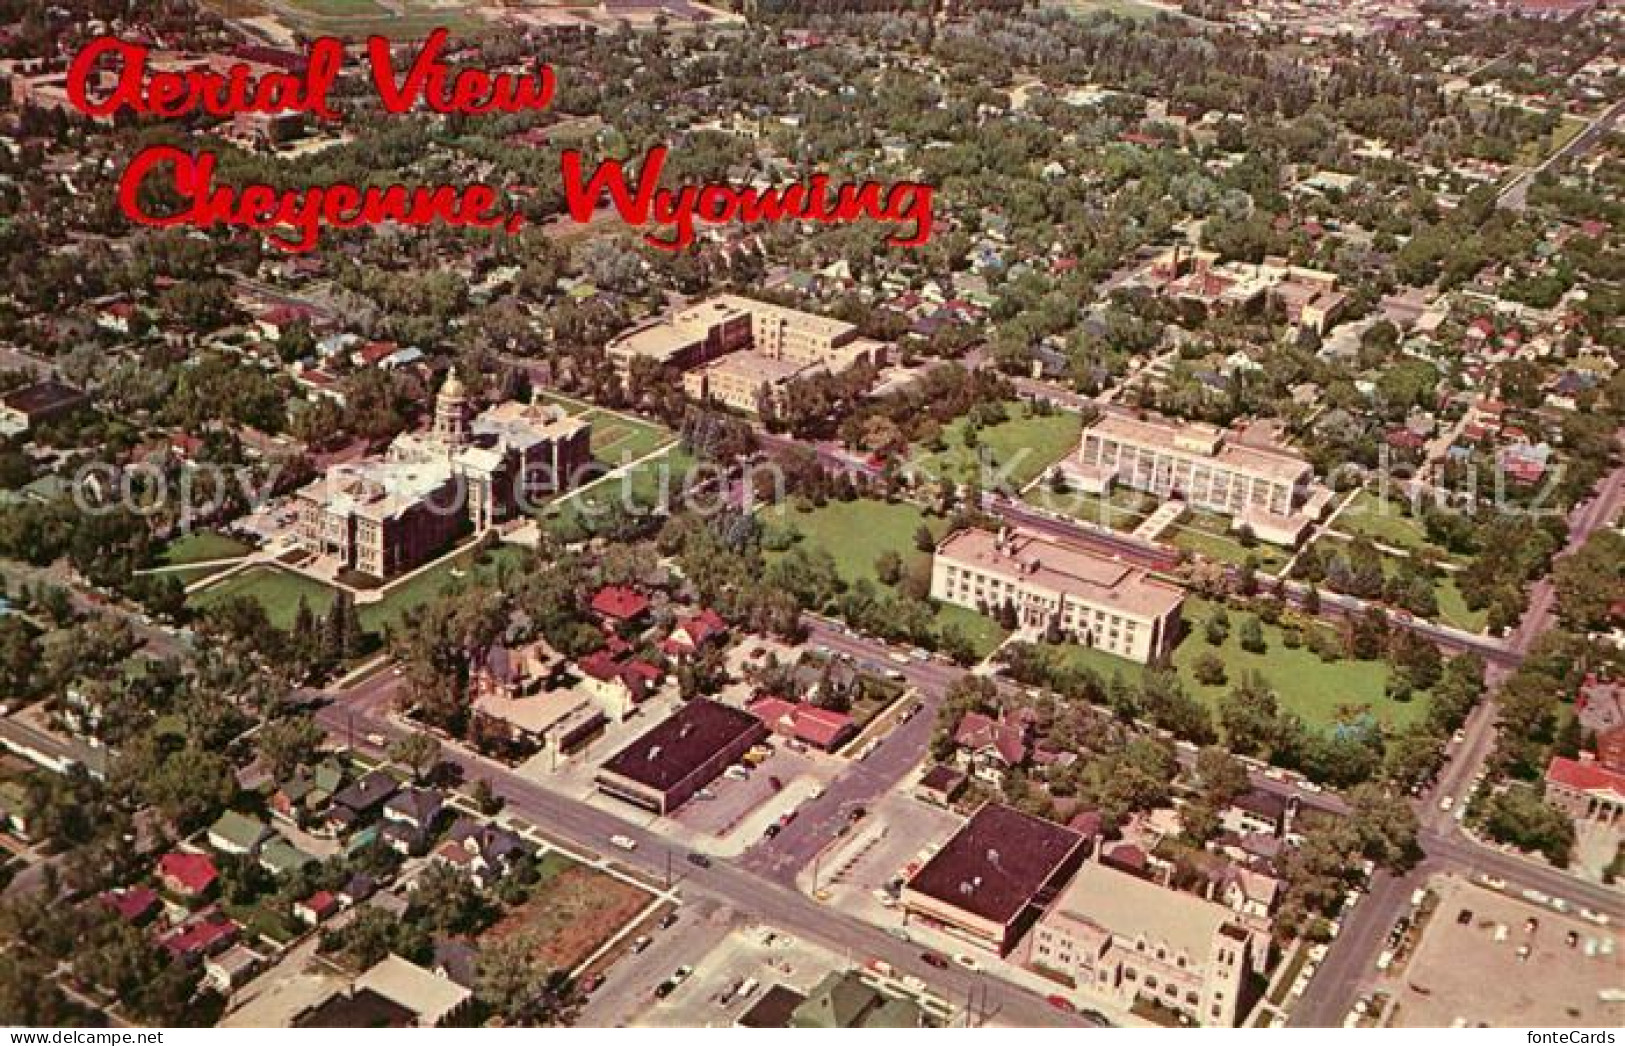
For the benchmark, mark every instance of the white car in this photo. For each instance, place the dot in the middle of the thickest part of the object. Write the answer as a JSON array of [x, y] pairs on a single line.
[[624, 842], [1447, 803], [968, 962]]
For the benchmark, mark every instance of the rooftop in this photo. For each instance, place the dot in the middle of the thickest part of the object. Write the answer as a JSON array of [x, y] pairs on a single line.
[[997, 863], [1127, 906], [1061, 568], [1197, 440], [677, 747]]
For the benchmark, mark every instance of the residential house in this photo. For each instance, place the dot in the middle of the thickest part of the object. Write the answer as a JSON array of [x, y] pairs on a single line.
[[238, 834], [360, 801], [188, 875], [988, 748], [486, 851]]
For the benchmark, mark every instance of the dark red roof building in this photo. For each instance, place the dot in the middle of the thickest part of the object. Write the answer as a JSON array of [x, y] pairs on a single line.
[[994, 877], [620, 605]]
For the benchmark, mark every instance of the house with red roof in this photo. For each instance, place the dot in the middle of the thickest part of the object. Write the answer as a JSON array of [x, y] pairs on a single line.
[[822, 728], [198, 938], [989, 747], [1587, 791], [694, 632], [187, 874], [317, 908], [618, 606], [620, 682], [136, 904]]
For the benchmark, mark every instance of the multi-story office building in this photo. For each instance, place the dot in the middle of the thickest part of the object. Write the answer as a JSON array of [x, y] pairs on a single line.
[[1096, 601]]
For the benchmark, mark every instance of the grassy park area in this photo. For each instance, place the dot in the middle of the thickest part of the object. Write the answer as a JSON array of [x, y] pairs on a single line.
[[201, 546], [1019, 449], [855, 533], [1321, 693], [275, 589]]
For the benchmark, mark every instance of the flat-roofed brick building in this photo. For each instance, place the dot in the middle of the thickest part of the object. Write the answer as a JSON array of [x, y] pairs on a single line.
[[690, 749], [741, 352], [990, 882]]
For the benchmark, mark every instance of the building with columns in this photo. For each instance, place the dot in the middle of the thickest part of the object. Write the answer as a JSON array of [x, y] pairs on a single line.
[[1259, 483], [471, 469], [1090, 599]]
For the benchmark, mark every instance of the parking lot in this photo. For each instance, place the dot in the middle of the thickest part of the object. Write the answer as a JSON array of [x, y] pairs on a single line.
[[1490, 959], [720, 987], [740, 807], [898, 835]]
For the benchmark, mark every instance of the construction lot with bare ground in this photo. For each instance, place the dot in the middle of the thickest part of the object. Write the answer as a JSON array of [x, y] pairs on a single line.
[[574, 913]]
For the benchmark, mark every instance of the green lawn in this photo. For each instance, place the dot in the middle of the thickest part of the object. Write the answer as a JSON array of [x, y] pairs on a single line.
[[200, 547], [1387, 521], [425, 586], [855, 533], [1122, 509], [654, 484], [1209, 535], [617, 440], [1017, 450], [1453, 609], [277, 590], [1317, 691]]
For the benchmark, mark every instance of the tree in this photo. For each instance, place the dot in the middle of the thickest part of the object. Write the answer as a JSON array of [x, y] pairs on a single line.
[[1252, 635], [1519, 816], [287, 744], [512, 981], [889, 567], [418, 751], [1385, 825], [923, 539], [1209, 669], [1221, 776]]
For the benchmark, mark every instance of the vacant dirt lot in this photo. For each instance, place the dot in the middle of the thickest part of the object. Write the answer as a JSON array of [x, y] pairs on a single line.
[[574, 913]]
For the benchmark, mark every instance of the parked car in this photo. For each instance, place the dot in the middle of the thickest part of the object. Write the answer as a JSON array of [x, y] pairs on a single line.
[[1060, 1002], [699, 860], [624, 842], [934, 960]]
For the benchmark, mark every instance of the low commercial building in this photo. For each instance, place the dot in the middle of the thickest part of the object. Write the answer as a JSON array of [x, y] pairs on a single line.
[[1263, 485], [34, 405], [1093, 600], [989, 883], [668, 764], [1117, 937]]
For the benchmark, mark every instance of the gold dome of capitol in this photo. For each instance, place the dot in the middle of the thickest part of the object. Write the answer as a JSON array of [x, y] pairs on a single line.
[[453, 387]]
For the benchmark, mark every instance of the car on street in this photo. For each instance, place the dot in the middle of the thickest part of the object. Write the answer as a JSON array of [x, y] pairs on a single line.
[[1060, 1002], [699, 860], [967, 961], [934, 960], [772, 830], [592, 983], [623, 842], [641, 943], [1447, 803], [668, 921]]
